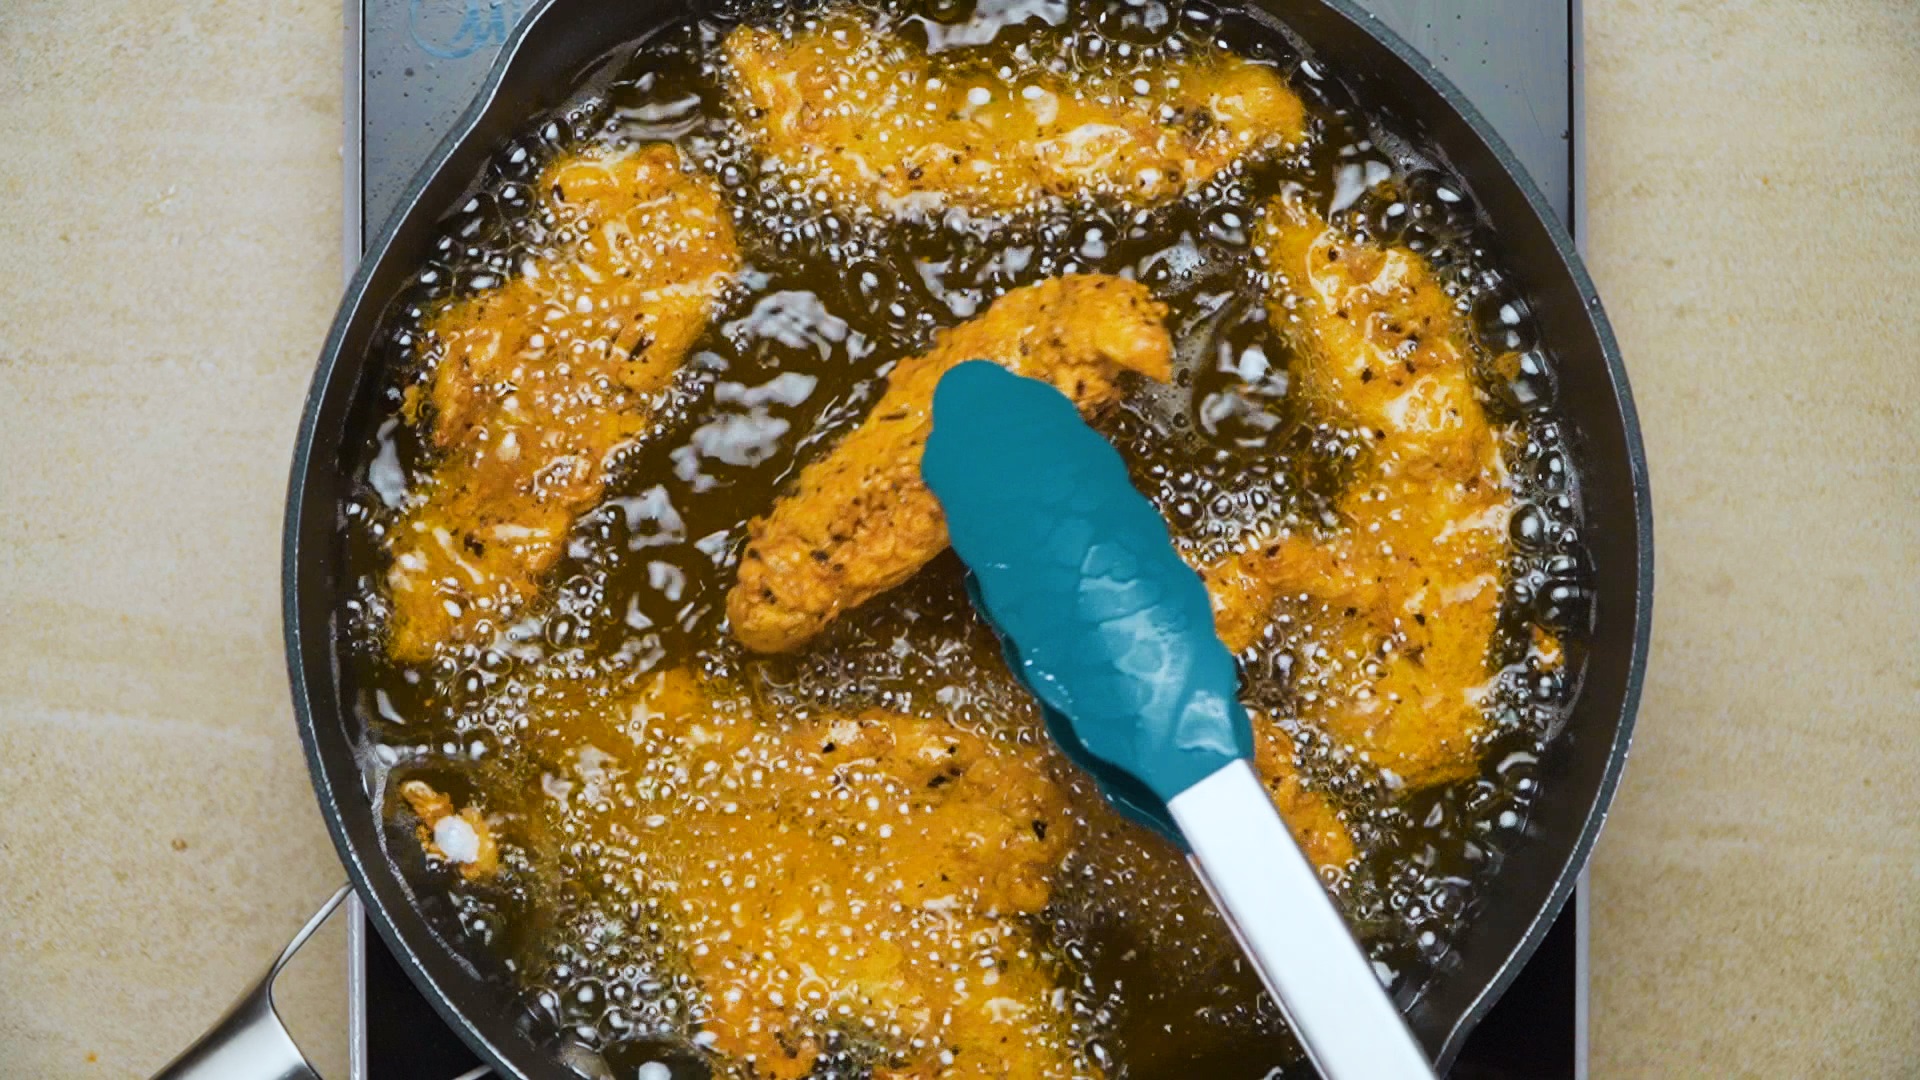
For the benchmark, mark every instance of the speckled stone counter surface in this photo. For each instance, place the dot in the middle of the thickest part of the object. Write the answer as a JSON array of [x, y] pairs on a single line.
[[169, 237]]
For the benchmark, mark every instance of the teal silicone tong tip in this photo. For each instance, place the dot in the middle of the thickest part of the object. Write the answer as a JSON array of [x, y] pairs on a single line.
[[1075, 570], [1114, 634]]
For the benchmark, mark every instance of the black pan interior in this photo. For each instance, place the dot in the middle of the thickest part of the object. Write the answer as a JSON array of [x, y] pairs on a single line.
[[539, 70]]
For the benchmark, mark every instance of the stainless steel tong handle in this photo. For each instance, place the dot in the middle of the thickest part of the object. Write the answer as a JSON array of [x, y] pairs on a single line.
[[1291, 931], [250, 1042]]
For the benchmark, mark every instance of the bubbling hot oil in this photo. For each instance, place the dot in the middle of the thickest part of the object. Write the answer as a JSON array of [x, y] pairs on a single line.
[[829, 299]]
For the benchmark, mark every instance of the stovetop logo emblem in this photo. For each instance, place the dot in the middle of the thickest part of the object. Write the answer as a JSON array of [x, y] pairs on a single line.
[[455, 29]]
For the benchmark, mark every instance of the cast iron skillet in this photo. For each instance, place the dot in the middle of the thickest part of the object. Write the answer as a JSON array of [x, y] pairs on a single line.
[[537, 70]]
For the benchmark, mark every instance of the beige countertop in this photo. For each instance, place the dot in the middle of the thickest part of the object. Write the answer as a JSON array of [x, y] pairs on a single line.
[[169, 237]]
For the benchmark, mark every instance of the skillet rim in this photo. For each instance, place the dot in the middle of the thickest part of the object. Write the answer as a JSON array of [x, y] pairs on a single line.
[[308, 453], [1580, 852], [370, 891]]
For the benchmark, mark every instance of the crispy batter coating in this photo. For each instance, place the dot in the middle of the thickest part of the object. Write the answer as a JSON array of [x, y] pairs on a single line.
[[861, 520], [873, 875], [873, 878], [889, 127], [1545, 651], [439, 821], [536, 381], [1311, 817], [1403, 598]]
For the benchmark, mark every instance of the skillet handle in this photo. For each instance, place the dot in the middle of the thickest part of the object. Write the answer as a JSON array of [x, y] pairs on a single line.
[[250, 1042], [1291, 931]]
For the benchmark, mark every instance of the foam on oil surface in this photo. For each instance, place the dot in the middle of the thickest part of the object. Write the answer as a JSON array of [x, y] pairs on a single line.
[[832, 296]]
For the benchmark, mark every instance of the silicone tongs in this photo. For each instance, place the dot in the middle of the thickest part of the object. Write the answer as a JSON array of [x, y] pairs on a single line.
[[1113, 632]]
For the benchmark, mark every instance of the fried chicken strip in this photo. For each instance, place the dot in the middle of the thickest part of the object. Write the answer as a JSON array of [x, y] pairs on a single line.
[[461, 838], [861, 520], [536, 381], [875, 884], [1404, 596], [889, 127], [871, 877], [1311, 817]]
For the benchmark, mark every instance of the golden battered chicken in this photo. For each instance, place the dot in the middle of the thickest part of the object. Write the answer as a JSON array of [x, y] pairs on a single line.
[[861, 520], [877, 879], [874, 876], [462, 838], [1311, 817], [1402, 600], [535, 382], [887, 126]]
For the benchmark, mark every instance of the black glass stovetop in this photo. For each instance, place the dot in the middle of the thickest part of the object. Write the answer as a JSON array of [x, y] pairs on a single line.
[[413, 65]]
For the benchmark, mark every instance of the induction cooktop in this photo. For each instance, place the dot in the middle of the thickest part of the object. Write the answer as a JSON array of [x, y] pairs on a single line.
[[412, 66]]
